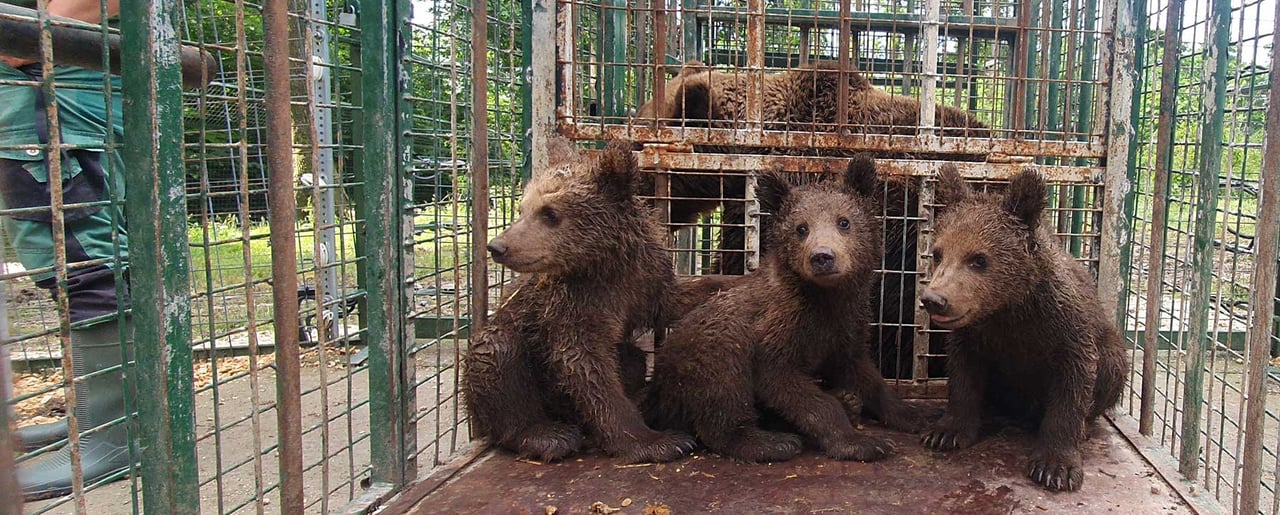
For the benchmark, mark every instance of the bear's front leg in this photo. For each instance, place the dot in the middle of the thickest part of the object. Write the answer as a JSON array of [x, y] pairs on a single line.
[[816, 414], [864, 379], [1055, 461], [966, 387], [585, 360], [504, 399]]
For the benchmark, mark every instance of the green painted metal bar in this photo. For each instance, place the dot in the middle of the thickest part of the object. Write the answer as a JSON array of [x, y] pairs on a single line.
[[10, 496], [1030, 113], [159, 261], [1122, 113], [1084, 116], [691, 27], [613, 37], [393, 439], [1053, 115], [1214, 107]]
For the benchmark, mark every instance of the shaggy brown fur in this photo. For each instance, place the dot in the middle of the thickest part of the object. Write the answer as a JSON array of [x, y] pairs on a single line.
[[790, 337], [1030, 336], [553, 358]]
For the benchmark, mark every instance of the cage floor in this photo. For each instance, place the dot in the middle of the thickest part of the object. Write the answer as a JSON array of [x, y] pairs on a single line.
[[986, 478]]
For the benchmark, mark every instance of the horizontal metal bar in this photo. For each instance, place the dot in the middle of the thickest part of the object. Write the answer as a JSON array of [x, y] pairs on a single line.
[[739, 163], [835, 141], [900, 23]]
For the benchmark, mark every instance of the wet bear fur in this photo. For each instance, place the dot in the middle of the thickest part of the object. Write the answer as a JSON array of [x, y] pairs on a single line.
[[557, 361], [1030, 337], [788, 342]]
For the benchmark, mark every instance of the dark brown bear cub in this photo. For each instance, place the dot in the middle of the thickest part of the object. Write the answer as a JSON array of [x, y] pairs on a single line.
[[557, 358], [791, 338], [1030, 337]]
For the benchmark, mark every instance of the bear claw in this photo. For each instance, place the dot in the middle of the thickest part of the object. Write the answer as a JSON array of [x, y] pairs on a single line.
[[766, 446], [550, 442], [1056, 475], [942, 439]]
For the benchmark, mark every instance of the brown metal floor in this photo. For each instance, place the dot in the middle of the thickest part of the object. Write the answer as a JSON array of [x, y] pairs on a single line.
[[987, 478]]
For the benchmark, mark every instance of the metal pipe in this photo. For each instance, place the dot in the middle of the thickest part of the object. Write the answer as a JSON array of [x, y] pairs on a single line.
[[929, 72], [480, 164], [1262, 295], [755, 70], [10, 496], [284, 278], [842, 95], [1159, 213], [614, 40], [1214, 105], [542, 79]]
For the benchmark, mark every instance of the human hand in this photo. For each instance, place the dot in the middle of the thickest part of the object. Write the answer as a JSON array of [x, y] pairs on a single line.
[[15, 61]]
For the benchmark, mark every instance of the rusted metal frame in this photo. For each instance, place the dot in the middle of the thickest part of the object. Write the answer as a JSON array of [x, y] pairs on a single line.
[[660, 51], [1262, 295], [53, 160], [901, 23], [844, 40], [246, 240], [1198, 343], [751, 127], [929, 68], [541, 61], [744, 164], [1021, 50], [752, 222], [479, 165], [1159, 212], [159, 259], [924, 265], [284, 264], [1095, 148]]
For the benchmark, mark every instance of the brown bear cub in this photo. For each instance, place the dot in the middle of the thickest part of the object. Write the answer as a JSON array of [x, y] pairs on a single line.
[[790, 338], [1030, 337], [558, 358]]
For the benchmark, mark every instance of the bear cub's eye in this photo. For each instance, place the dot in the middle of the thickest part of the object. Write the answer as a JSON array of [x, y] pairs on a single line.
[[550, 215], [802, 230], [937, 256], [843, 223], [978, 262]]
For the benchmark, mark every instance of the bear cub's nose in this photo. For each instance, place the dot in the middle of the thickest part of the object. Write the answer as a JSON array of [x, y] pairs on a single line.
[[933, 303], [497, 249], [823, 260]]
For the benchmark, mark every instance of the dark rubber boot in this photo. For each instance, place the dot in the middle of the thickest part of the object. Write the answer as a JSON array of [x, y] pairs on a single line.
[[37, 436], [104, 451]]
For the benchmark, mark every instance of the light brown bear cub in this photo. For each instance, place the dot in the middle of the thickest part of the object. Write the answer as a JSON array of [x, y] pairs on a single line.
[[1030, 337], [558, 356], [787, 343]]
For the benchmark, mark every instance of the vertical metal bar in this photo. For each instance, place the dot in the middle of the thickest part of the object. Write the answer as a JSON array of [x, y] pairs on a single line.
[[1117, 191], [689, 27], [614, 39], [844, 42], [659, 49], [929, 70], [1054, 71], [1262, 294], [1030, 91], [1159, 213], [752, 229], [392, 438], [1084, 119], [526, 86], [568, 24], [159, 262], [10, 496], [542, 81], [755, 71], [1215, 99], [480, 163], [924, 263], [1121, 312], [284, 262]]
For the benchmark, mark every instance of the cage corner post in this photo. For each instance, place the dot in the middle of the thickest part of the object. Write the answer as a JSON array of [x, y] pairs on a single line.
[[384, 31], [1120, 133], [159, 264]]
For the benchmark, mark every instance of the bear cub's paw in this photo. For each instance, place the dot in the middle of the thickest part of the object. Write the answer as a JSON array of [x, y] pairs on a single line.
[[550, 442], [758, 445], [859, 448], [1056, 470], [657, 447]]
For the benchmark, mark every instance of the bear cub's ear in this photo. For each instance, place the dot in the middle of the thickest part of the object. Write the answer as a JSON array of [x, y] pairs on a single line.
[[951, 186], [617, 172], [1025, 198], [772, 189], [860, 176]]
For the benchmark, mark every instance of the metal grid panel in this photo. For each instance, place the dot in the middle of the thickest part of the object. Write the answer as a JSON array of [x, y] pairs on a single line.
[[446, 203], [1203, 106]]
